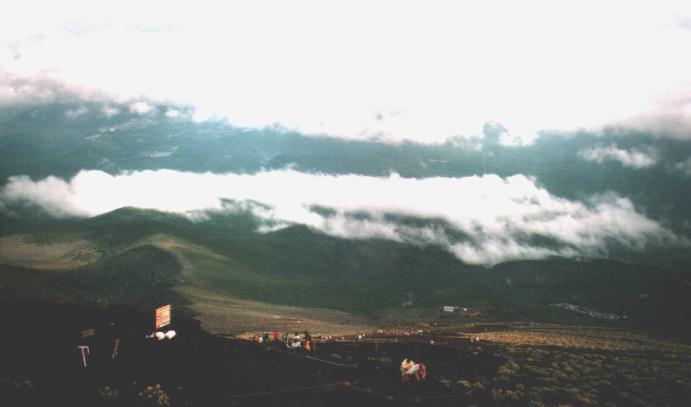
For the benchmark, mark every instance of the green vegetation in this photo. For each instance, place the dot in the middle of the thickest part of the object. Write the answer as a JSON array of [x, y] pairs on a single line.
[[144, 253]]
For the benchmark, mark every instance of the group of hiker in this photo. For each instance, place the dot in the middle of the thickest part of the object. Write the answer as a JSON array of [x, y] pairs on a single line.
[[410, 370], [294, 341]]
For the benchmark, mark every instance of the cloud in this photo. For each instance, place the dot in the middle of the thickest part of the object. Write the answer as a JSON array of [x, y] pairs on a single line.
[[444, 68], [671, 117], [43, 89], [685, 22], [481, 219], [51, 194], [172, 113], [633, 158], [19, 91], [72, 113], [161, 154], [140, 108], [109, 111], [684, 167]]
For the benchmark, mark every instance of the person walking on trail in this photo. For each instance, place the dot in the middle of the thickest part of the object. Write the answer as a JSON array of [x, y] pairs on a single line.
[[308, 341], [410, 369]]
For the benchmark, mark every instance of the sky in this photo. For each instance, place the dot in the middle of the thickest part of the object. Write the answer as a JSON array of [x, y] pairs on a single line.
[[388, 71], [422, 71]]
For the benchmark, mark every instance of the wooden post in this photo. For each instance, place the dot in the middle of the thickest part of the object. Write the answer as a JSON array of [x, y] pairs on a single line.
[[116, 347], [85, 351]]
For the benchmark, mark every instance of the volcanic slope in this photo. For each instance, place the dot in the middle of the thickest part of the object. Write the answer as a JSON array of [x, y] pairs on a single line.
[[235, 279]]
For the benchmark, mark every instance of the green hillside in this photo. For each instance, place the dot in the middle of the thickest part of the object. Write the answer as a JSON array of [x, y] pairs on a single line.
[[144, 255]]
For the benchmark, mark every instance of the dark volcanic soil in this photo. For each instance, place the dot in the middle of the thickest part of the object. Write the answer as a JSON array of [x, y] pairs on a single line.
[[41, 365]]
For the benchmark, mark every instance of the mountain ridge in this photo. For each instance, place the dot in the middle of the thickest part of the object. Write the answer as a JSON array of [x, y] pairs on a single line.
[[297, 267]]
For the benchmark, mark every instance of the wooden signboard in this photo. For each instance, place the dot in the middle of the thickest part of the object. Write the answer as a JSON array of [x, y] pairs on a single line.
[[88, 332], [162, 316]]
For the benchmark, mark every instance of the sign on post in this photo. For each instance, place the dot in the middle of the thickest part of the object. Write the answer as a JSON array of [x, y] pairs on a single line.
[[162, 316]]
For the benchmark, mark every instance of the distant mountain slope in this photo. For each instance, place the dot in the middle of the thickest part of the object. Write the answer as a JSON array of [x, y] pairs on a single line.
[[146, 253]]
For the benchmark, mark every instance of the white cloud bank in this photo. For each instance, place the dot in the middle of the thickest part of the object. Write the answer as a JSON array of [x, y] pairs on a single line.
[[392, 69], [632, 158], [502, 218]]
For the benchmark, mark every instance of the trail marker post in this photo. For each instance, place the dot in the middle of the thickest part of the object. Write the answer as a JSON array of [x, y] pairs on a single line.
[[84, 351], [116, 348]]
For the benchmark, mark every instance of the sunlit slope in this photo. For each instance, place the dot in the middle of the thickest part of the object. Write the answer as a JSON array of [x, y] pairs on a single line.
[[37, 251], [297, 267], [137, 276]]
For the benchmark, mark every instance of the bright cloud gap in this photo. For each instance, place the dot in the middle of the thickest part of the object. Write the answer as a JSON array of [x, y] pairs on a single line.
[[632, 158], [481, 219]]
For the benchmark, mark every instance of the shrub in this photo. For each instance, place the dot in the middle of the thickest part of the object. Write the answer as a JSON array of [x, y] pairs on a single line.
[[108, 392], [154, 396]]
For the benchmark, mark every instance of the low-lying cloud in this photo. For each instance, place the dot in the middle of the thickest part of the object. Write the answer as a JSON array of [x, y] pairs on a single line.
[[633, 158], [481, 219]]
